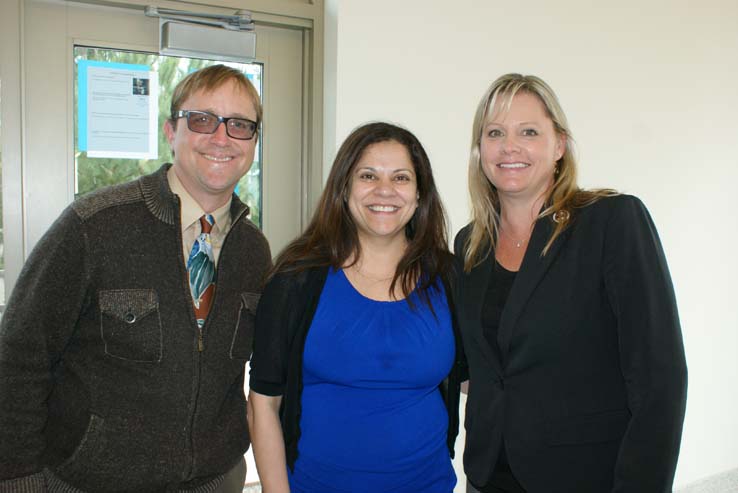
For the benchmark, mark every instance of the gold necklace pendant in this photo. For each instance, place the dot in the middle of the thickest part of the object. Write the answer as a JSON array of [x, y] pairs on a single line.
[[516, 243]]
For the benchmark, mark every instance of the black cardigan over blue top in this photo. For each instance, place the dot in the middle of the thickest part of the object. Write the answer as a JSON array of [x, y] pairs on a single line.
[[283, 319]]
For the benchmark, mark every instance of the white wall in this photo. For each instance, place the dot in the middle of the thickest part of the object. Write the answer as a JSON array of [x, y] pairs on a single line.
[[651, 91]]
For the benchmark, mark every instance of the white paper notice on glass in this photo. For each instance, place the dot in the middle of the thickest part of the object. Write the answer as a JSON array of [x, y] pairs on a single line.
[[118, 110]]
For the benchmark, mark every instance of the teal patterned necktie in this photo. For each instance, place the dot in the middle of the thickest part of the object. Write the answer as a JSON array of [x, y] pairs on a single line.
[[201, 269]]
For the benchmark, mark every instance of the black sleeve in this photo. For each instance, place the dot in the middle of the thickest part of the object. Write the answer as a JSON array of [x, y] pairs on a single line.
[[455, 299], [268, 374], [452, 295], [652, 357]]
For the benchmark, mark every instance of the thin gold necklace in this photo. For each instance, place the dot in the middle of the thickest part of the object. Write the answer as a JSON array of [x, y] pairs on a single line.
[[517, 243], [356, 269]]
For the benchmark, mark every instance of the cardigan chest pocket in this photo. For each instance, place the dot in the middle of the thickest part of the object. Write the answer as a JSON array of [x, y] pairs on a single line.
[[130, 324], [243, 335]]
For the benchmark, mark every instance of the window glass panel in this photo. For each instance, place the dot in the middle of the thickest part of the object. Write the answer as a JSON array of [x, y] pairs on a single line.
[[94, 172]]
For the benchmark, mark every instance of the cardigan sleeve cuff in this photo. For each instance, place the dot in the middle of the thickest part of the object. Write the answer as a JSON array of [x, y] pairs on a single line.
[[265, 388]]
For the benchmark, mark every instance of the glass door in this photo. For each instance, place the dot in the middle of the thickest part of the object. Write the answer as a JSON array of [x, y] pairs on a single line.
[[59, 34], [93, 171]]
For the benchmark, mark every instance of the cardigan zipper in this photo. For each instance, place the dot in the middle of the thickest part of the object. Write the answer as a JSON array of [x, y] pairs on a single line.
[[201, 348], [200, 332]]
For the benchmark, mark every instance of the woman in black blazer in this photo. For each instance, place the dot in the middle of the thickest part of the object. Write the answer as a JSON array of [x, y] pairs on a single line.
[[577, 371]]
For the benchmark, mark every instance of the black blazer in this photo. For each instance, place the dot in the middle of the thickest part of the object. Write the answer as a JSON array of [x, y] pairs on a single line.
[[590, 389]]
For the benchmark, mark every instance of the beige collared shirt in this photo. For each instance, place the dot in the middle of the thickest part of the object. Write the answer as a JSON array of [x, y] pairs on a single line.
[[190, 216]]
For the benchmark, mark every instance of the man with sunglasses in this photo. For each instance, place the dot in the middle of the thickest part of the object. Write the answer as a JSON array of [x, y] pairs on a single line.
[[123, 345]]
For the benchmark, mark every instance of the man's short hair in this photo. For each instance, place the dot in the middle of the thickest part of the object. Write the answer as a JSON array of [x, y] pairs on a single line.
[[210, 79]]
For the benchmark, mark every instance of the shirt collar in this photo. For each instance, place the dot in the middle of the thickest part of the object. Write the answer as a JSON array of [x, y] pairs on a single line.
[[191, 210]]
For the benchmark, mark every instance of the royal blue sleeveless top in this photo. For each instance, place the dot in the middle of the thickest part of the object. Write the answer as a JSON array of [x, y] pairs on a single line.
[[373, 419]]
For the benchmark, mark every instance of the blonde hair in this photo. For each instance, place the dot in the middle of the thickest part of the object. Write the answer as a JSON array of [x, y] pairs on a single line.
[[564, 195]]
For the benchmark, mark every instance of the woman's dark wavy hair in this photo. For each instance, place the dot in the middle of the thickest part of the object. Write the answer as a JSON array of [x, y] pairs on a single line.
[[331, 238]]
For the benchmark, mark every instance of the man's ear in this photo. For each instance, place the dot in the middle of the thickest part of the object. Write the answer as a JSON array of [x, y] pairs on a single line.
[[169, 132]]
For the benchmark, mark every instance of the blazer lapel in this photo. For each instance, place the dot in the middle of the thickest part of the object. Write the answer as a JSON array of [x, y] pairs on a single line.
[[532, 270], [476, 291]]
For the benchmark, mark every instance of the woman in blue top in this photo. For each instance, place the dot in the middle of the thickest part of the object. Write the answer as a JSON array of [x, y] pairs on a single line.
[[355, 373]]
